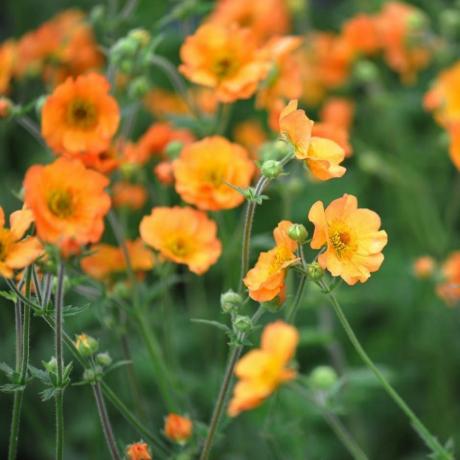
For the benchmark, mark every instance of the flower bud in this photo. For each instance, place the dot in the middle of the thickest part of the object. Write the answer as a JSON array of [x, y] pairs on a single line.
[[271, 169], [231, 302], [86, 345], [104, 359], [138, 451], [138, 88], [417, 21], [314, 271], [366, 71], [51, 366], [173, 149], [91, 375], [141, 36], [424, 267], [178, 428], [323, 378], [274, 150], [242, 323], [298, 233], [164, 172], [6, 107]]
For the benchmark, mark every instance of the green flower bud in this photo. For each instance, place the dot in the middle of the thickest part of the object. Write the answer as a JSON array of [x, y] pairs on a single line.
[[51, 366], [104, 359], [140, 36], [231, 302], [298, 233], [138, 88], [323, 378], [86, 345], [272, 169], [366, 71], [314, 271], [97, 14], [242, 323], [173, 149], [274, 150], [91, 375], [123, 48]]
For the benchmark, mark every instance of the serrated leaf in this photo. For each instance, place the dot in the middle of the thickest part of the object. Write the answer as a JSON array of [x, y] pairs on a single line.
[[47, 394], [9, 295], [70, 310], [12, 387], [39, 374], [6, 369]]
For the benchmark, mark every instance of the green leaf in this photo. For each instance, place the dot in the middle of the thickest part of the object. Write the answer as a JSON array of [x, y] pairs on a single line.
[[221, 326], [39, 374], [9, 295]]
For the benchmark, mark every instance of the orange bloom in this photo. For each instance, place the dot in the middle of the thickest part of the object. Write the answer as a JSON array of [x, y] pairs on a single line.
[[164, 172], [163, 103], [107, 260], [204, 169], [7, 56], [424, 267], [130, 195], [182, 235], [361, 34], [80, 116], [225, 58], [352, 238], [178, 428], [266, 280], [250, 134], [68, 202], [338, 111], [263, 370], [6, 107], [322, 156], [138, 451], [17, 252], [265, 19], [334, 133], [449, 289]]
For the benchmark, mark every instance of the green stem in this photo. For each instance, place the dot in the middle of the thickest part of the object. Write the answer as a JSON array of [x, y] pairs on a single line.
[[293, 307], [424, 433], [224, 388], [59, 407], [21, 365]]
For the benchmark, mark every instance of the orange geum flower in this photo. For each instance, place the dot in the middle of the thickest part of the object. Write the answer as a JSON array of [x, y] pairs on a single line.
[[138, 451], [449, 288], [267, 279], [225, 58], [164, 172], [352, 238], [322, 156], [424, 267], [262, 371], [360, 32], [17, 252], [68, 202], [80, 116], [205, 168], [178, 428], [182, 235], [338, 111], [129, 195], [7, 56]]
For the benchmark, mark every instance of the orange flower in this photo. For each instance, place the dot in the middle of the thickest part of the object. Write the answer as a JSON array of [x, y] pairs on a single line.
[[163, 103], [178, 428], [265, 18], [352, 238], [361, 33], [338, 111], [130, 195], [262, 371], [225, 58], [80, 116], [182, 235], [266, 280], [68, 202], [334, 133], [138, 451], [7, 55], [322, 156], [106, 260], [449, 289], [424, 267], [204, 169], [250, 134], [164, 172], [17, 252]]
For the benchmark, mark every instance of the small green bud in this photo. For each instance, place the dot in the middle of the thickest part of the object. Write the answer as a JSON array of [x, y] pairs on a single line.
[[417, 20], [123, 48], [104, 359], [138, 88], [140, 36], [231, 302], [97, 14], [173, 149], [86, 345], [242, 323], [271, 169], [298, 233], [274, 150], [126, 66], [323, 378], [366, 71], [51, 366], [314, 271]]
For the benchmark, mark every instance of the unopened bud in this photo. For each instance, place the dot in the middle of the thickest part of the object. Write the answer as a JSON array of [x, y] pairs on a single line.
[[231, 302], [173, 149], [104, 359], [366, 71], [51, 366], [242, 323], [86, 345], [271, 169], [323, 378], [141, 36], [138, 88], [298, 233], [314, 271]]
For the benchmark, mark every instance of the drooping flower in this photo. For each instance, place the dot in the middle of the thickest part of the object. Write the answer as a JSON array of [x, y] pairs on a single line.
[[261, 371], [178, 428], [352, 238], [138, 451], [449, 288], [17, 251], [225, 58], [205, 168], [125, 194], [68, 202], [182, 235], [80, 116], [267, 279], [322, 156]]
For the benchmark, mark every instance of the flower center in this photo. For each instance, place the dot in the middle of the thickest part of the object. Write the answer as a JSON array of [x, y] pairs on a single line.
[[179, 247], [60, 203], [224, 67], [341, 241], [281, 256], [82, 114]]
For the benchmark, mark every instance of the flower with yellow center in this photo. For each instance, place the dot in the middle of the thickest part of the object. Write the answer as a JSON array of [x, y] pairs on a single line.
[[138, 451], [352, 238], [262, 371], [17, 252]]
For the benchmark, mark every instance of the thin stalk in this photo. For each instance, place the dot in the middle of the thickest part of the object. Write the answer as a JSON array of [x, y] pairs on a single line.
[[292, 309], [32, 128], [105, 422], [59, 397], [424, 433], [224, 388], [21, 366]]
